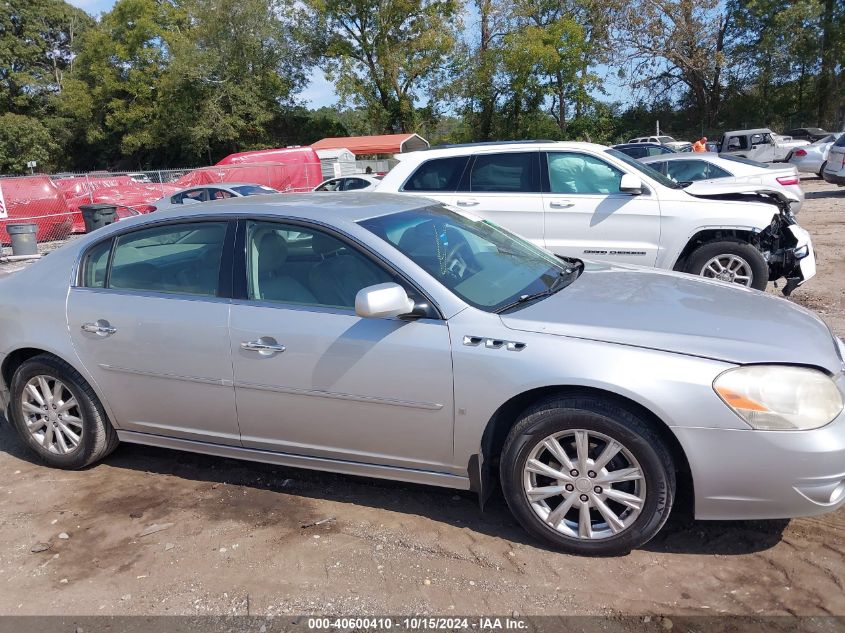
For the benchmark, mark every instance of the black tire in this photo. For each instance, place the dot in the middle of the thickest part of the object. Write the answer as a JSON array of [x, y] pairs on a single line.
[[754, 258], [821, 170], [98, 437], [594, 415]]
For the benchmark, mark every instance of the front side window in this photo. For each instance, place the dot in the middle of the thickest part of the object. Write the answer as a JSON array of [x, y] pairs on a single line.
[[439, 174], [253, 190], [511, 172], [481, 263], [330, 185], [220, 194], [180, 258], [301, 265], [355, 183], [571, 172]]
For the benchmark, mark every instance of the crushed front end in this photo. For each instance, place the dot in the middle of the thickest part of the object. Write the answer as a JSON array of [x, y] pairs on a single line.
[[787, 248]]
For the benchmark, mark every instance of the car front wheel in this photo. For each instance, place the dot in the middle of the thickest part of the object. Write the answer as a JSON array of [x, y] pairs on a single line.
[[58, 415], [731, 261], [587, 476]]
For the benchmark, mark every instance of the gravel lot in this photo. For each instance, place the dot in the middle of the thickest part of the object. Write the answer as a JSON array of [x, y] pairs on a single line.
[[235, 538]]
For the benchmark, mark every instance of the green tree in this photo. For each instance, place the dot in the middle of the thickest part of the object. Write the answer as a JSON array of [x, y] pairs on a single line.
[[36, 40], [385, 55], [22, 139]]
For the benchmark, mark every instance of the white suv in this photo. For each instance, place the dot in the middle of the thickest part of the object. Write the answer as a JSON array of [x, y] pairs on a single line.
[[668, 141], [834, 168], [589, 201]]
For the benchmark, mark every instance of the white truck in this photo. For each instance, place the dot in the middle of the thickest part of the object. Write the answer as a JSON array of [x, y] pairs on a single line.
[[760, 144], [588, 201]]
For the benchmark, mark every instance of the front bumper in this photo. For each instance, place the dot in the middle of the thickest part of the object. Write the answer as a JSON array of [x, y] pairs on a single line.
[[794, 258], [747, 474], [835, 179]]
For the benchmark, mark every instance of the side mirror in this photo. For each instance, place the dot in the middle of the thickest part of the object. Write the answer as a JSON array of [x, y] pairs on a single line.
[[382, 300], [631, 184]]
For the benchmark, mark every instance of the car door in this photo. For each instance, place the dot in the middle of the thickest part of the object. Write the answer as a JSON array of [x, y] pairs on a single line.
[[504, 187], [314, 379], [586, 215], [762, 148], [149, 320]]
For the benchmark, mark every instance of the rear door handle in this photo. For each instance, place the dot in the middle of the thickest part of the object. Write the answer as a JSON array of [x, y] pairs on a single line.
[[101, 327], [561, 204], [467, 202], [265, 346]]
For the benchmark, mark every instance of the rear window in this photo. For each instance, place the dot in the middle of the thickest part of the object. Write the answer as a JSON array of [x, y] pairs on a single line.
[[510, 172], [840, 142], [439, 174]]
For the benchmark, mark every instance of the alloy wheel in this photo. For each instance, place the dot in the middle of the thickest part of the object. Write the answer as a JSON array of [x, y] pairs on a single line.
[[584, 484], [52, 414], [729, 268]]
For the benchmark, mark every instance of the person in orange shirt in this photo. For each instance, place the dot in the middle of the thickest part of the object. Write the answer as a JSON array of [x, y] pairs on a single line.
[[700, 145]]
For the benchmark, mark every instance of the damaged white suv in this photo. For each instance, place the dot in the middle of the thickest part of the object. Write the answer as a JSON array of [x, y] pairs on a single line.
[[589, 201]]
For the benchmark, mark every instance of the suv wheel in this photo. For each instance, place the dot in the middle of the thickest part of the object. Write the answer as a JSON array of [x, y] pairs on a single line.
[[821, 170], [587, 476], [57, 414], [731, 261]]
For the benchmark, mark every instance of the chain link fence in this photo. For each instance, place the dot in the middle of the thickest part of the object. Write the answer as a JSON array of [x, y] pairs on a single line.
[[52, 202]]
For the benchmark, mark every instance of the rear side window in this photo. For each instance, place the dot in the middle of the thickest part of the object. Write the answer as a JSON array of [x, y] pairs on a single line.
[[439, 174], [182, 258], [95, 266], [511, 172], [636, 152]]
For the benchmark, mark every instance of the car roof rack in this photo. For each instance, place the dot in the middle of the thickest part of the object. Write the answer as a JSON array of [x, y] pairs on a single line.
[[487, 143]]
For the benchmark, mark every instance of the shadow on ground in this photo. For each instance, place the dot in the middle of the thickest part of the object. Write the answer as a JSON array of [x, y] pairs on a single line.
[[680, 535]]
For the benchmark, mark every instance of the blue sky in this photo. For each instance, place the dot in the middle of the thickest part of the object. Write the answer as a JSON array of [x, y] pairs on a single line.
[[320, 92]]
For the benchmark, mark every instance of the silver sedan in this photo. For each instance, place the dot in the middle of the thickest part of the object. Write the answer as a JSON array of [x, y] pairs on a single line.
[[388, 336]]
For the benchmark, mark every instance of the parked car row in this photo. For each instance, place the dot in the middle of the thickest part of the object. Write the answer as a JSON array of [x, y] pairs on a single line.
[[589, 201], [811, 159]]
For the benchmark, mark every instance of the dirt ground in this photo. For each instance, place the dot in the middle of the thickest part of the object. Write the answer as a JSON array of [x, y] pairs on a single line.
[[238, 538]]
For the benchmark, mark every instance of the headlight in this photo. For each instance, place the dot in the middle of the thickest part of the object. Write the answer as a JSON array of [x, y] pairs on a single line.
[[780, 398]]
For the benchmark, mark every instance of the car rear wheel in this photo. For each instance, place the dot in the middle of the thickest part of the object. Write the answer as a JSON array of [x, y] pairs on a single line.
[[731, 261], [587, 476], [57, 414], [821, 170]]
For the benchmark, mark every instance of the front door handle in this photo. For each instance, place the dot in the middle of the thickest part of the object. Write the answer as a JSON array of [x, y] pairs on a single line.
[[101, 327], [467, 202], [265, 346], [561, 204]]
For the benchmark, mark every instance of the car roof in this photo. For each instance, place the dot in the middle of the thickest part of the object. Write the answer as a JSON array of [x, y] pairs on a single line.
[[756, 130], [467, 148], [346, 206], [627, 145], [681, 156]]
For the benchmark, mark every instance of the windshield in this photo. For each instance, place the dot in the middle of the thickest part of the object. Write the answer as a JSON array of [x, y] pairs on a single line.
[[253, 190], [645, 169], [486, 266], [665, 139]]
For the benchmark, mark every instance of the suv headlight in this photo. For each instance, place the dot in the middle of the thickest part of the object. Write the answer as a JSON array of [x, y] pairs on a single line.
[[779, 397]]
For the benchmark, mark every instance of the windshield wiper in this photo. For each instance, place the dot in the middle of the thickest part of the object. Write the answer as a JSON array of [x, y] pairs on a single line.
[[557, 284]]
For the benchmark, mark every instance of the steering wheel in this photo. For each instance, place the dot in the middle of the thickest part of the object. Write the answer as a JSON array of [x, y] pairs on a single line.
[[456, 263]]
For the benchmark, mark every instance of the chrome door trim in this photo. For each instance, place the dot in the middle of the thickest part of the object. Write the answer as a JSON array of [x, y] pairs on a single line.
[[336, 395], [431, 478], [220, 382]]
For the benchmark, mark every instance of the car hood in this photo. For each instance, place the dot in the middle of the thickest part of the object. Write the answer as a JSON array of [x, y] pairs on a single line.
[[682, 314], [717, 189]]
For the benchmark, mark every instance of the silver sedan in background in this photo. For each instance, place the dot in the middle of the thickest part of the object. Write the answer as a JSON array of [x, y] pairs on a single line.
[[389, 336], [811, 158], [711, 167]]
